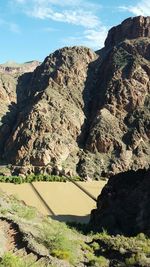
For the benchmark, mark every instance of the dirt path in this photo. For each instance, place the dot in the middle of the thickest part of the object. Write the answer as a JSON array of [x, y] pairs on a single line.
[[14, 239], [15, 244]]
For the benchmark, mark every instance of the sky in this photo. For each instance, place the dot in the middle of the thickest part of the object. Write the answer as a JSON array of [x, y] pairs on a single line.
[[32, 29]]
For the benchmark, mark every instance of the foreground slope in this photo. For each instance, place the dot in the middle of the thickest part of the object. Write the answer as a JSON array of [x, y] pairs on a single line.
[[29, 239]]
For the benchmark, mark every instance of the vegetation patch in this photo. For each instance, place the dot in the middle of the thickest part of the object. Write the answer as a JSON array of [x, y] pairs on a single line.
[[35, 177], [61, 241], [10, 260], [119, 250]]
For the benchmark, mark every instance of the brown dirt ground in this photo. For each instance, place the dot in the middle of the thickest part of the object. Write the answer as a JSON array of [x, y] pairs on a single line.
[[64, 201]]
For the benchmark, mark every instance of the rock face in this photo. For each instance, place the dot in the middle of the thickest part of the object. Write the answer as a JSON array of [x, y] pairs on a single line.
[[131, 28], [123, 205], [119, 129], [86, 113], [7, 106], [53, 111], [10, 74]]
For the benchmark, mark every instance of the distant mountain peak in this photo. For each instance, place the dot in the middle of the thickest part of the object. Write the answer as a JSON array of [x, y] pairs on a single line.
[[14, 67], [131, 28]]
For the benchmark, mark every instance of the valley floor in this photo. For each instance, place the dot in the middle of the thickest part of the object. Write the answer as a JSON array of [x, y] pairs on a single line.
[[62, 201]]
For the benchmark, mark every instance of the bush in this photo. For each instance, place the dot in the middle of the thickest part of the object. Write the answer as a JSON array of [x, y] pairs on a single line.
[[130, 261], [12, 179], [98, 261], [33, 178], [55, 237], [101, 261], [61, 254]]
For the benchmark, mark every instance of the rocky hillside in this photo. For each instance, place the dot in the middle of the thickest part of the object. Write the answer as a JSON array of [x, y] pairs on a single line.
[[15, 68], [86, 113], [123, 205], [28, 239]]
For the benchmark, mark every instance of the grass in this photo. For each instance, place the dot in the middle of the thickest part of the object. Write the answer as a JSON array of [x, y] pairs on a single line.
[[25, 212], [10, 260], [59, 240]]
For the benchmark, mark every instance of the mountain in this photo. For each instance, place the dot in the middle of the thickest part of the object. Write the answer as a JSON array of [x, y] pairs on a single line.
[[83, 112], [13, 67], [10, 74]]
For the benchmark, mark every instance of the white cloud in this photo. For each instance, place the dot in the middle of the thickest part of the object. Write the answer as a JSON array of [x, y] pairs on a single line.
[[91, 38], [96, 38], [67, 11], [81, 13], [79, 17], [64, 3], [141, 8]]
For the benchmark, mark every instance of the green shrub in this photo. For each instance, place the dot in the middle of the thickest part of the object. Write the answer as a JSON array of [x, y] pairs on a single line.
[[55, 237], [61, 254], [35, 177], [98, 261], [95, 245], [11, 179], [130, 261], [101, 261]]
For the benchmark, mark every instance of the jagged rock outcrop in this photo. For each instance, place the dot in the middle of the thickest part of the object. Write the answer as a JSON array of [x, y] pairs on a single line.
[[84, 112], [131, 28], [123, 205], [53, 113]]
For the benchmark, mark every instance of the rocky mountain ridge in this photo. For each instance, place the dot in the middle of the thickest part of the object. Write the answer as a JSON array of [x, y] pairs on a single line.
[[82, 112], [131, 28], [13, 67]]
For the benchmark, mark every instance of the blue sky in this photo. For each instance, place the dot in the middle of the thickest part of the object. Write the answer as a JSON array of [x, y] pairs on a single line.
[[32, 29]]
